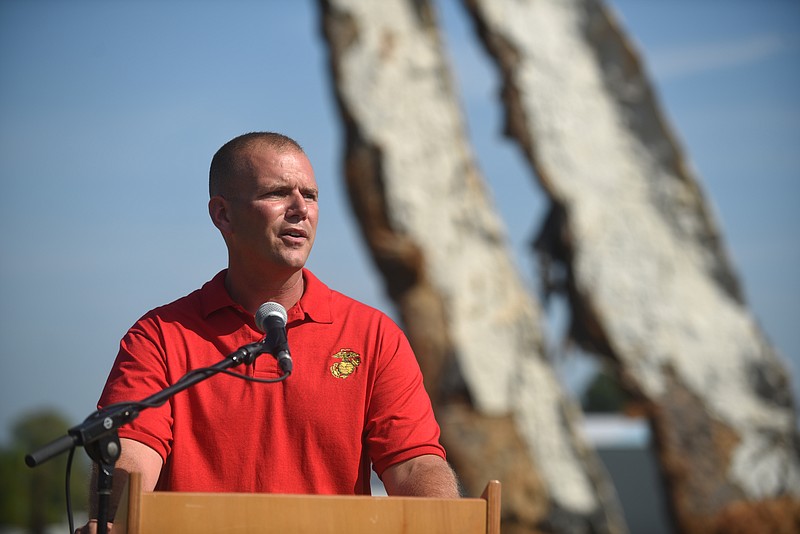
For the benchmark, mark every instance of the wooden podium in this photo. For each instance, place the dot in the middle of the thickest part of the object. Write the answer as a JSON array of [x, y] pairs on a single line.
[[157, 512]]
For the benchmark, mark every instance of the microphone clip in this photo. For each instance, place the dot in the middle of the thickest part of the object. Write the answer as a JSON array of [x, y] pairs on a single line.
[[247, 354]]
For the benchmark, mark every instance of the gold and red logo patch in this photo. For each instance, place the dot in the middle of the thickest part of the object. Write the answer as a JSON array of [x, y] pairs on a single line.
[[349, 361]]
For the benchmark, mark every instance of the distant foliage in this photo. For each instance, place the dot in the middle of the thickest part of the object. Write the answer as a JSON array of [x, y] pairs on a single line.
[[35, 498], [604, 395]]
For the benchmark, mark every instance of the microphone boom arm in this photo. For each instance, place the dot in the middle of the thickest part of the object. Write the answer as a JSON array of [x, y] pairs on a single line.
[[97, 434]]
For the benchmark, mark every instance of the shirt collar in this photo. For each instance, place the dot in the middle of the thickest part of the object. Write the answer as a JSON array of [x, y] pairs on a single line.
[[214, 296], [314, 304]]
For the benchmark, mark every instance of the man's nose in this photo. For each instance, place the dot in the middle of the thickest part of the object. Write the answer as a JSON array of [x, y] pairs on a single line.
[[298, 204]]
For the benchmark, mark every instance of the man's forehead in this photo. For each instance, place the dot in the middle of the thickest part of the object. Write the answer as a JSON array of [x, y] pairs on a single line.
[[260, 153], [277, 166]]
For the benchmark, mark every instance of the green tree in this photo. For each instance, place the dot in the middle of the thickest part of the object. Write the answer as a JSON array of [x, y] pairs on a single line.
[[35, 498], [604, 395]]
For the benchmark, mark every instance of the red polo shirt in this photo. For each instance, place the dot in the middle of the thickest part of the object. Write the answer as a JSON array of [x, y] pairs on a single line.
[[355, 396]]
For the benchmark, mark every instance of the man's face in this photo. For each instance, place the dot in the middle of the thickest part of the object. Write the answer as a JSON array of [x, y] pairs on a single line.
[[272, 212]]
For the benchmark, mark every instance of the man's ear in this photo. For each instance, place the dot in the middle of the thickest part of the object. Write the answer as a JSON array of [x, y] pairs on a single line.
[[218, 210]]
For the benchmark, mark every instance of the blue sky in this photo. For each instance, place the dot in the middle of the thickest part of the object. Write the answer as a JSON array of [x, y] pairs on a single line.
[[110, 112]]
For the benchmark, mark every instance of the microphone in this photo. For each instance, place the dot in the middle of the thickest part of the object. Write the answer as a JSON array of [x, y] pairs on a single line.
[[271, 319]]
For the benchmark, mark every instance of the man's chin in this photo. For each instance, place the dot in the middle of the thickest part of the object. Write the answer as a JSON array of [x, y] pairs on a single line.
[[294, 261]]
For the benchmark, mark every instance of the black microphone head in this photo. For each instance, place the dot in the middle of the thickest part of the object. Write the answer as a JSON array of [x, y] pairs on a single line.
[[267, 310]]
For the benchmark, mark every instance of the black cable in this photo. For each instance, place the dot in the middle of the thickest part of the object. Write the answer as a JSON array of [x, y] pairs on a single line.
[[69, 497], [203, 370], [259, 380]]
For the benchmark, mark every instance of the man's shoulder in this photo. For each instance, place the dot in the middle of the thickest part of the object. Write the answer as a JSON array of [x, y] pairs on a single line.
[[318, 291], [199, 303], [339, 299]]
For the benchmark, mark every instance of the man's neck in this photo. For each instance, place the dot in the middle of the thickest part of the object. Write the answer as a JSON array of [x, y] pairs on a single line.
[[251, 290]]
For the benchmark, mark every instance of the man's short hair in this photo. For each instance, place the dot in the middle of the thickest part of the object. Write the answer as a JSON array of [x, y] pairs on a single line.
[[224, 164]]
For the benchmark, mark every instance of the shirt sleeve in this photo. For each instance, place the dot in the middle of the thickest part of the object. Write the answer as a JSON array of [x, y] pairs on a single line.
[[401, 424], [138, 372]]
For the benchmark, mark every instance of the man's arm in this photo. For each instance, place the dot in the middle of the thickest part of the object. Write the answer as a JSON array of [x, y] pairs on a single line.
[[134, 457], [424, 476]]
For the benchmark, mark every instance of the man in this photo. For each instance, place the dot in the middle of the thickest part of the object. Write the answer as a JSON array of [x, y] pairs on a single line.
[[355, 398]]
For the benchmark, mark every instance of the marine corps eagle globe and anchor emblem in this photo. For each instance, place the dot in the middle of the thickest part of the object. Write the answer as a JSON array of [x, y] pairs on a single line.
[[344, 368]]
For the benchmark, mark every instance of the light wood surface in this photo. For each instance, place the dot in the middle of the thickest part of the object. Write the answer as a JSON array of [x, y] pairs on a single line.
[[158, 512]]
